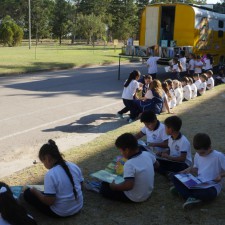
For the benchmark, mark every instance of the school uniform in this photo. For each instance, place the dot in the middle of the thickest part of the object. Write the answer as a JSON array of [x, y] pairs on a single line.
[[198, 83], [179, 95], [193, 91], [191, 66], [157, 135], [140, 169], [198, 63], [209, 167], [183, 62], [173, 102], [127, 96], [208, 65], [152, 66], [202, 88], [187, 92], [176, 147], [211, 82]]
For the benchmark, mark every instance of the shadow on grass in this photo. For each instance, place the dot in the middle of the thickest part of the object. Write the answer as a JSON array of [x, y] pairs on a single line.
[[203, 114]]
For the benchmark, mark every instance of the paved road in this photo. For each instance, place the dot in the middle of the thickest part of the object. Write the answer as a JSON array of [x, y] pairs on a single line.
[[68, 106]]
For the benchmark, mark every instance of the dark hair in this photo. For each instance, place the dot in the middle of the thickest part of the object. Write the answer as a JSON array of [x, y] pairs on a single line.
[[190, 80], [182, 53], [147, 77], [52, 149], [11, 210], [148, 117], [209, 56], [126, 140], [133, 75], [169, 82], [173, 122], [196, 75], [201, 141], [185, 79], [204, 76]]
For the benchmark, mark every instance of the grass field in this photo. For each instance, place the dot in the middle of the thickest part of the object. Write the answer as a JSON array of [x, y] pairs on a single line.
[[52, 56], [203, 114]]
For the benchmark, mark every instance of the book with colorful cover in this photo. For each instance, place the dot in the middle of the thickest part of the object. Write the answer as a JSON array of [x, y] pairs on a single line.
[[193, 182], [112, 172]]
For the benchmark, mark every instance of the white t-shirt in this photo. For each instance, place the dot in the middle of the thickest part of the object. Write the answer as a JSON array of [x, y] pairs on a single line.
[[198, 83], [130, 90], [211, 82], [152, 64], [57, 183], [173, 102], [156, 136], [149, 94], [180, 145], [198, 63], [193, 91], [140, 168], [203, 86], [175, 68], [179, 95], [187, 92], [183, 62], [207, 65], [191, 64], [210, 166]]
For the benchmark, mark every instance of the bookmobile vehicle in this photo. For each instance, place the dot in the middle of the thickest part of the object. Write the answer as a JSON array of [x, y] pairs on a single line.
[[171, 28]]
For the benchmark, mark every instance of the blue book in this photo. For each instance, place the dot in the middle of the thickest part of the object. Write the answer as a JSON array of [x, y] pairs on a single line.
[[16, 190]]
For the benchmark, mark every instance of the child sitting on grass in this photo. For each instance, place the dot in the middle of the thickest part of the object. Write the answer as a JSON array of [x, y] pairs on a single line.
[[154, 130], [138, 173], [62, 195], [208, 165], [187, 92], [203, 85], [179, 154], [210, 81]]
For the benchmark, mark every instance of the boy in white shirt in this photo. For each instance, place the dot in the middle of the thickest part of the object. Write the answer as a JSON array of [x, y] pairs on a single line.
[[198, 65], [209, 165], [186, 89], [138, 173], [183, 62], [210, 81], [154, 130], [179, 154]]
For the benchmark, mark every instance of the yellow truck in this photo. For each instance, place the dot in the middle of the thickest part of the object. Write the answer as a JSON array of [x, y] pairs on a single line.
[[173, 27]]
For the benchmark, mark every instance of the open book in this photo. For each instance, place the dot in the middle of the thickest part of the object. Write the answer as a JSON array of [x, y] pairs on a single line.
[[193, 182], [16, 190], [113, 171], [39, 187]]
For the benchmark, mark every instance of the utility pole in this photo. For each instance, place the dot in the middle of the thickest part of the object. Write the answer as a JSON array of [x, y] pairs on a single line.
[[29, 9]]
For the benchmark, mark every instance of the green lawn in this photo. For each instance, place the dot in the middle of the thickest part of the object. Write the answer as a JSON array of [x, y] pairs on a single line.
[[202, 114], [52, 56]]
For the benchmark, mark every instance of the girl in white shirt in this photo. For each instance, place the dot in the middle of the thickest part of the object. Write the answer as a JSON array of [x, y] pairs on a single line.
[[11, 212], [186, 89], [178, 92], [210, 81], [207, 61], [203, 85], [193, 88], [129, 91], [191, 64], [173, 102], [62, 195]]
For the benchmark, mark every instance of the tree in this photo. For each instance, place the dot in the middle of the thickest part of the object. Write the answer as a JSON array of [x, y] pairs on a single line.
[[61, 21], [10, 33], [90, 27]]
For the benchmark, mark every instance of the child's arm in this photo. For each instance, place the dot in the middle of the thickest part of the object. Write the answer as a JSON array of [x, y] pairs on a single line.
[[46, 199], [191, 169], [139, 135], [163, 144], [219, 178], [127, 185], [180, 158]]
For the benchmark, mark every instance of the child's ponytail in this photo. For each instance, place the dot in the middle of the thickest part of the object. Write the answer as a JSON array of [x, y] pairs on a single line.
[[133, 75]]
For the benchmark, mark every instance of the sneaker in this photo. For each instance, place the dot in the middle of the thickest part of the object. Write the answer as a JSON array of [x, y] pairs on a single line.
[[191, 202], [92, 186], [120, 115]]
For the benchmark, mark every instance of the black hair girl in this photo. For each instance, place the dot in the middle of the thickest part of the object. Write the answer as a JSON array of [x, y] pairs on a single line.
[[133, 76], [11, 211], [52, 149]]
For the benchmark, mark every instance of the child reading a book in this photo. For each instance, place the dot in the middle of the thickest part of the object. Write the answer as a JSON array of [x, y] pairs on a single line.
[[62, 185], [178, 157], [209, 165], [11, 212], [138, 173], [154, 130]]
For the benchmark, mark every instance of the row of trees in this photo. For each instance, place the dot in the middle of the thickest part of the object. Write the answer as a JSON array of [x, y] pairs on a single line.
[[89, 19]]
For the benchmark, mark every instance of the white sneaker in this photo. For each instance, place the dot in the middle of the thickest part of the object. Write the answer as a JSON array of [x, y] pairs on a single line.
[[120, 115], [191, 202]]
